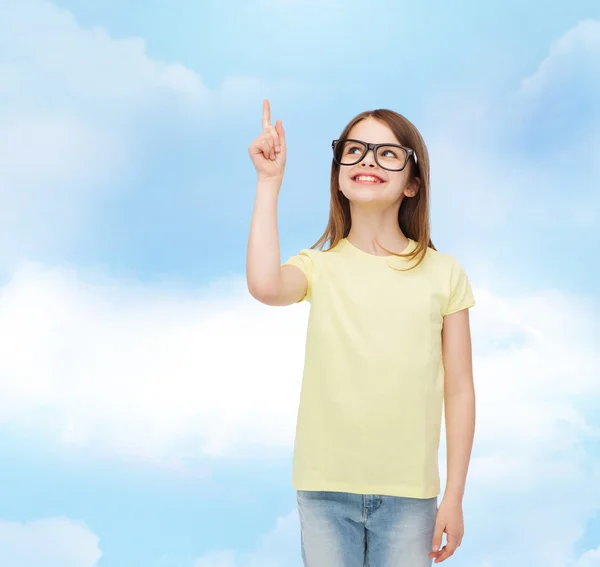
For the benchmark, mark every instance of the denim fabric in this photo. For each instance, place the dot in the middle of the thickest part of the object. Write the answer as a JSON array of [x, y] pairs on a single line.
[[340, 529]]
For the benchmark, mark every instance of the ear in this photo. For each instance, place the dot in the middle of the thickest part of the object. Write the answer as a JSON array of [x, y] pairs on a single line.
[[413, 186]]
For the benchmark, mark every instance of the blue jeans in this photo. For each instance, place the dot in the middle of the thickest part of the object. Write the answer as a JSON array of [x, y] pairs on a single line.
[[340, 529]]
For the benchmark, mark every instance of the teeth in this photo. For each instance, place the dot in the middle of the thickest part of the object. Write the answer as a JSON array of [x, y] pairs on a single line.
[[366, 178]]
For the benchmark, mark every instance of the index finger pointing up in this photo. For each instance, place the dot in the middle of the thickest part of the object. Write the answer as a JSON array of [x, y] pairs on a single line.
[[266, 117]]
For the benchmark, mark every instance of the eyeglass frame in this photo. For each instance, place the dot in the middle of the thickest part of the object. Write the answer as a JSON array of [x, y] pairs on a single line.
[[409, 152]]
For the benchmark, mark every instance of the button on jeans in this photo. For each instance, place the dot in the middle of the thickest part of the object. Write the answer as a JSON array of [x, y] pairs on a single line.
[[340, 529]]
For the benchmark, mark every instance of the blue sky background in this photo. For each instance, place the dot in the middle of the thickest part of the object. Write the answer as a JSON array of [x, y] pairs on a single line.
[[147, 404]]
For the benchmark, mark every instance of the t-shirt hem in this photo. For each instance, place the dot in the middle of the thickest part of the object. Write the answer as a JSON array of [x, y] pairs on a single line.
[[395, 490], [295, 261], [467, 305]]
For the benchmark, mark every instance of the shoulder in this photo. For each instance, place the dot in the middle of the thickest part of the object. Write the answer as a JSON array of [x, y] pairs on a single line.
[[441, 261], [444, 267], [310, 255], [311, 252], [320, 256], [453, 281]]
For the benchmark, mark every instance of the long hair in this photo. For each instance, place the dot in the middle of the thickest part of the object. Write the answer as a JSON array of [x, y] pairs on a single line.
[[413, 215]]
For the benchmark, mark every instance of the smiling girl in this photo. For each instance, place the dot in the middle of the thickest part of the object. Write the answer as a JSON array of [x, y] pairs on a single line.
[[388, 345]]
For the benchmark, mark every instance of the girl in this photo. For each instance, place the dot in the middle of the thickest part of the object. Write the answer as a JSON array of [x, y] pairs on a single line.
[[388, 343]]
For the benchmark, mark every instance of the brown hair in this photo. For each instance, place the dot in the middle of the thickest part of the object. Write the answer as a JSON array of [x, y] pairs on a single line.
[[413, 216]]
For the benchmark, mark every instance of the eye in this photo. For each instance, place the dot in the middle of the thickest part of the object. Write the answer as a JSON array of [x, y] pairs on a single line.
[[391, 153], [350, 149]]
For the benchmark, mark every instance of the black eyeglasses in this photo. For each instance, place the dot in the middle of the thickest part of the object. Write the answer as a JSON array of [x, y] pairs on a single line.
[[392, 157]]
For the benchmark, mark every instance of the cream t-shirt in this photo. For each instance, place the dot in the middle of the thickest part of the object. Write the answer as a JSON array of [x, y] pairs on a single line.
[[370, 411]]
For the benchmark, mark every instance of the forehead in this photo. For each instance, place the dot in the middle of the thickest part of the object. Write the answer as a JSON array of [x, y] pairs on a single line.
[[374, 131]]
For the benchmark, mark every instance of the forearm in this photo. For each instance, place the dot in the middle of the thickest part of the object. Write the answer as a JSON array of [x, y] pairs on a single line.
[[460, 431], [263, 259]]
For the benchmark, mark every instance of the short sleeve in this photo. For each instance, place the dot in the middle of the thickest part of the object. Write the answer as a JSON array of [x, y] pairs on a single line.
[[305, 262], [461, 293]]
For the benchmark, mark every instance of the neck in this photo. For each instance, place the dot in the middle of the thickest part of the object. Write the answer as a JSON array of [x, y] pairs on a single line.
[[381, 225]]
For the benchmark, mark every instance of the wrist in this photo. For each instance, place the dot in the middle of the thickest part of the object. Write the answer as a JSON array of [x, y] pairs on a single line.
[[453, 495], [269, 182]]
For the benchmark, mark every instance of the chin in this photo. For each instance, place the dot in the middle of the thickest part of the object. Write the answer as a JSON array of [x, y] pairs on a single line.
[[364, 195]]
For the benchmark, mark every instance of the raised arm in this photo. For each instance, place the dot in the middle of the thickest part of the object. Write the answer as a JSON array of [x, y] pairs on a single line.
[[267, 280]]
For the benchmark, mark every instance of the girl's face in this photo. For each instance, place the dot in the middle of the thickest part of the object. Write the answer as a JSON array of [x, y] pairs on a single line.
[[391, 187]]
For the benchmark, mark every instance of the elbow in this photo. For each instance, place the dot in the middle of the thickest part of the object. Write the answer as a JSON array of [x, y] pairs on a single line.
[[266, 294]]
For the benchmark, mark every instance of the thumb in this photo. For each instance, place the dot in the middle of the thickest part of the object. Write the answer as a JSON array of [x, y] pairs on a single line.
[[436, 544]]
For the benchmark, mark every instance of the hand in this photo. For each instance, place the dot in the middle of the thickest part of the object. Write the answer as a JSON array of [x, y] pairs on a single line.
[[268, 151], [449, 519]]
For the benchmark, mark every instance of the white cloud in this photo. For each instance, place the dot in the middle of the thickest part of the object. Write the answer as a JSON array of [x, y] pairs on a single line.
[[45, 48], [589, 559], [156, 373], [573, 56], [79, 110], [279, 546], [51, 542], [520, 159], [561, 100], [73, 102], [146, 370], [534, 476]]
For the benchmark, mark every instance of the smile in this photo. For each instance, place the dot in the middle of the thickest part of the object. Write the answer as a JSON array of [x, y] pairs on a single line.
[[367, 179]]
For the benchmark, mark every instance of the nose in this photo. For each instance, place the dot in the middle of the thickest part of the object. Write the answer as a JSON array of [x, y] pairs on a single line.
[[369, 158]]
